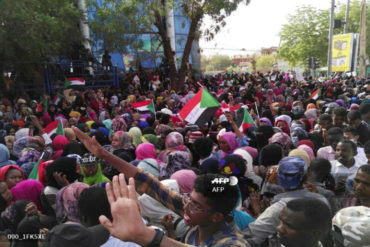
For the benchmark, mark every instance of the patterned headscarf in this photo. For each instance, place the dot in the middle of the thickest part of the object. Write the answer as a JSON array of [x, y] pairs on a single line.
[[67, 200]]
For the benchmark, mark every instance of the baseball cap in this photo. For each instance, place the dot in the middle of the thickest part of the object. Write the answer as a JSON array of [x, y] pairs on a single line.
[[72, 234], [291, 171], [88, 159]]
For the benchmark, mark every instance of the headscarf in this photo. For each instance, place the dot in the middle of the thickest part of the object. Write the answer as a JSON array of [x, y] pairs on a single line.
[[283, 139], [65, 165], [118, 124], [266, 120], [96, 179], [108, 125], [5, 169], [67, 202], [145, 151], [308, 143], [5, 156], [310, 106], [136, 135], [286, 118], [70, 134], [28, 155], [151, 166], [286, 128], [28, 190], [59, 142], [263, 133], [185, 179], [125, 140], [22, 133], [20, 144], [151, 139], [230, 138], [298, 133], [307, 124], [308, 150], [174, 141], [302, 154], [311, 114]]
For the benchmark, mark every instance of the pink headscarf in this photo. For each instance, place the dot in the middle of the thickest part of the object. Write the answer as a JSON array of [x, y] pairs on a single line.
[[28, 190], [59, 142], [308, 150], [185, 180], [230, 138], [145, 151], [252, 151]]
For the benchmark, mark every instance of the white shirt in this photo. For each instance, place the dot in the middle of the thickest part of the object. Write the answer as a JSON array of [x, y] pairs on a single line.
[[339, 171], [361, 156]]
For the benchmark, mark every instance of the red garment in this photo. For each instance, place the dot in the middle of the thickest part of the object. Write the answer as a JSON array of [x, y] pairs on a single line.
[[285, 129], [5, 169]]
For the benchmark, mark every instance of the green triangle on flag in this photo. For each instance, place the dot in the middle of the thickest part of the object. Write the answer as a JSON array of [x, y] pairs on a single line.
[[67, 83], [151, 107], [207, 100], [35, 171], [60, 129]]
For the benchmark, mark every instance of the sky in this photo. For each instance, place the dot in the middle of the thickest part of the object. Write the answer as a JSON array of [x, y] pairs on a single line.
[[255, 26]]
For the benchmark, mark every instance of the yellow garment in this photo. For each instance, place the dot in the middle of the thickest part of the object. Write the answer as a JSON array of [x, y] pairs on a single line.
[[75, 114], [302, 154], [89, 123], [131, 98]]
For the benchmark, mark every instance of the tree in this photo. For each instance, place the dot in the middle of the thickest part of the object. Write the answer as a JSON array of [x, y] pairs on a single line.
[[33, 32], [306, 34], [265, 62], [149, 17]]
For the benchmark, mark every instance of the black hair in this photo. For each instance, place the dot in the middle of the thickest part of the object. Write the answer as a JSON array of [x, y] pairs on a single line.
[[100, 137], [92, 203], [335, 134], [365, 169], [340, 111], [367, 147], [316, 213], [165, 119], [148, 130], [150, 120], [325, 117], [321, 168], [271, 154], [364, 109], [74, 148], [203, 146], [351, 143], [350, 129], [354, 115], [65, 165], [222, 202]]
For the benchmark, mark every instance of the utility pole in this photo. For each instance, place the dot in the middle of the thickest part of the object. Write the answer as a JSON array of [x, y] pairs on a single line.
[[331, 29], [363, 40], [347, 17]]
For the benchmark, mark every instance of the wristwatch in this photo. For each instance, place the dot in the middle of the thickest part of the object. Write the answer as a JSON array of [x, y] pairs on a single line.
[[156, 242]]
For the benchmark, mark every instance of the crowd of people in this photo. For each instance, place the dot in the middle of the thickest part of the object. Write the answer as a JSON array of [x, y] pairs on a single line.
[[298, 176]]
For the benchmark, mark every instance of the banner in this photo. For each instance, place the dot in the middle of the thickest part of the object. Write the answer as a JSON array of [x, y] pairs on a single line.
[[342, 52]]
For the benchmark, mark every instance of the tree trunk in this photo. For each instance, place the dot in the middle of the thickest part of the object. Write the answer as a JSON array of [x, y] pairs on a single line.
[[185, 57], [167, 49]]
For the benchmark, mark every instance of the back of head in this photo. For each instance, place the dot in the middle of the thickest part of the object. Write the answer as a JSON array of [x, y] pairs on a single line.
[[92, 203], [221, 201], [354, 115], [65, 165], [319, 169], [271, 154], [317, 214], [203, 146], [340, 111]]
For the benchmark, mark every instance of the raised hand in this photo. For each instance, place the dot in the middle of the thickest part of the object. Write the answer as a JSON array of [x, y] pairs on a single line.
[[90, 143], [127, 223]]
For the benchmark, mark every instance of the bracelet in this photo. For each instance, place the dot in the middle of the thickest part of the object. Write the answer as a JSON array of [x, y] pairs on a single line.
[[156, 242]]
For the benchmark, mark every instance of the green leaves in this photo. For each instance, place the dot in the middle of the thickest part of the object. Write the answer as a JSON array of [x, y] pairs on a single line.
[[34, 31]]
